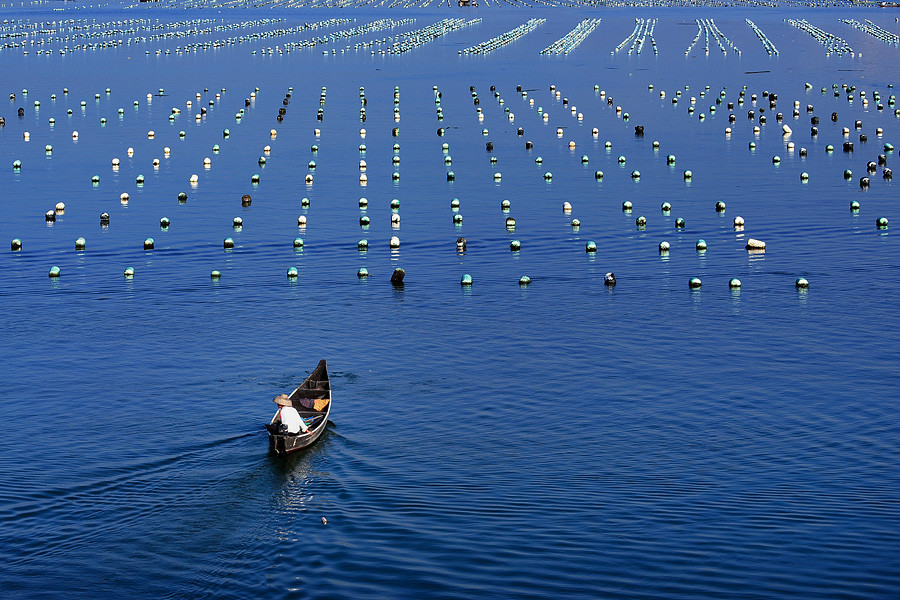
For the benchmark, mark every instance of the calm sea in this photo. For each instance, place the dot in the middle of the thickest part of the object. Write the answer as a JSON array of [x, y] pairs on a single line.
[[562, 439]]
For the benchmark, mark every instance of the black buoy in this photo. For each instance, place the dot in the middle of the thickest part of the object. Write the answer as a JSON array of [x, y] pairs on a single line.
[[397, 276], [639, 130], [21, 112], [104, 218], [520, 131], [489, 146], [460, 244], [528, 145], [848, 146], [814, 120], [834, 117], [440, 131], [609, 279], [246, 200]]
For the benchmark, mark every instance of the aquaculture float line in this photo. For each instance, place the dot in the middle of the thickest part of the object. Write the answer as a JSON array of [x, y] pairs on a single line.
[[573, 39], [504, 39]]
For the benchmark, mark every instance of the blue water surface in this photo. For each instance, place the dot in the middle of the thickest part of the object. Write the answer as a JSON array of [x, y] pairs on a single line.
[[561, 439]]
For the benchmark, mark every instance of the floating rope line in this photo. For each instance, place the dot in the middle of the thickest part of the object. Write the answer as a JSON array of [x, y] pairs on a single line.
[[874, 30], [766, 42], [573, 39], [420, 37], [643, 29], [831, 42], [503, 39]]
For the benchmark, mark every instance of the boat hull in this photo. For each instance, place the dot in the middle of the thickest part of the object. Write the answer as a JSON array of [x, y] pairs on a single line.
[[285, 444]]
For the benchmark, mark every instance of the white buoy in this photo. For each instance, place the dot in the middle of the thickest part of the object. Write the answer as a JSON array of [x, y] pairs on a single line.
[[753, 244], [195, 178], [395, 242]]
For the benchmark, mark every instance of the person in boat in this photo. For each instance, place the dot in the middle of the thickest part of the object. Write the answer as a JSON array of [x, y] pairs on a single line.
[[289, 416]]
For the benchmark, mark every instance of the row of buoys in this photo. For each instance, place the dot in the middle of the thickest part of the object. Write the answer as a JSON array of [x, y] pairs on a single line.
[[179, 29], [643, 30], [419, 37], [874, 30], [504, 39], [372, 26], [707, 27], [832, 42], [769, 47], [398, 275], [573, 39]]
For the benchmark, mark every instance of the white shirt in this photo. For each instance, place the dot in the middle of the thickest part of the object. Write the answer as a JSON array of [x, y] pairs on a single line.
[[291, 419]]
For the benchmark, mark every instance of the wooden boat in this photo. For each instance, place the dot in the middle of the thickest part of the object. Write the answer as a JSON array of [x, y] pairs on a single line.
[[312, 399]]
